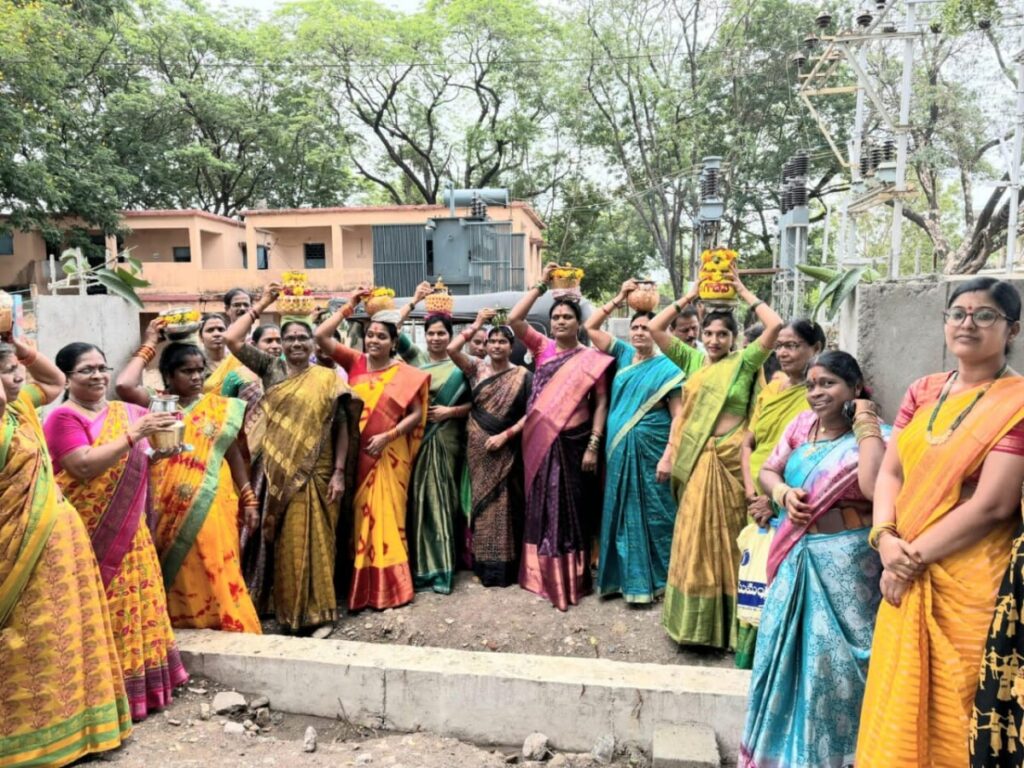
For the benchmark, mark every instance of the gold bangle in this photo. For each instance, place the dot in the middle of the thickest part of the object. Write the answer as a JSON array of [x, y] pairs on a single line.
[[875, 535]]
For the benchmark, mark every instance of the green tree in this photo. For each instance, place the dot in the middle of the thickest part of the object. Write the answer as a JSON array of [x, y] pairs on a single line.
[[459, 91]]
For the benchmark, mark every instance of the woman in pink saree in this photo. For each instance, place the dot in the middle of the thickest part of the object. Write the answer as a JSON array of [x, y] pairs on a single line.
[[565, 421]]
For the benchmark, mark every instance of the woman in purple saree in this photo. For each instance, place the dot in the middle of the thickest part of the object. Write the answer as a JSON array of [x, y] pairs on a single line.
[[565, 421]]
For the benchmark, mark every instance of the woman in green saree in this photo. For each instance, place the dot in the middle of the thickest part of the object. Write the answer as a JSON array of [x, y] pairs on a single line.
[[434, 500], [779, 402], [700, 597]]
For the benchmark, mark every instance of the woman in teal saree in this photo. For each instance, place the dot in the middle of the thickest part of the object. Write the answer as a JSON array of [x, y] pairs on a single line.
[[434, 501], [639, 509]]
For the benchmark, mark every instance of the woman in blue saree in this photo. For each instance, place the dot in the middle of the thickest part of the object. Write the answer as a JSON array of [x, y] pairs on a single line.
[[814, 641], [639, 510]]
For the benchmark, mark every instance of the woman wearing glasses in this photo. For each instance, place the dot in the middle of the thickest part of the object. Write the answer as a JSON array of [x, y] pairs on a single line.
[[781, 401], [98, 447], [310, 423], [944, 508]]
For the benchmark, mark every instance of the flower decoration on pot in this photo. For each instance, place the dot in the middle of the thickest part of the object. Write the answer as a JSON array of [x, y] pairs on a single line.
[[379, 300], [180, 323], [645, 297], [565, 280], [296, 298], [715, 266]]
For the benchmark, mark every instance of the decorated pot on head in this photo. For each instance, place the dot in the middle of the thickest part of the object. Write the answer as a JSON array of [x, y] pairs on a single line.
[[379, 300], [714, 277], [645, 297], [440, 302], [166, 439], [565, 282], [296, 297], [181, 323]]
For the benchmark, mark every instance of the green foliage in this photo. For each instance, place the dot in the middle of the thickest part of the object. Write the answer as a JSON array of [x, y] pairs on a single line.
[[838, 286], [960, 15], [119, 281]]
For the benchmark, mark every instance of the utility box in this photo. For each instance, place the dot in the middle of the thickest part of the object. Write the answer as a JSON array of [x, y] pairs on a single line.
[[473, 255]]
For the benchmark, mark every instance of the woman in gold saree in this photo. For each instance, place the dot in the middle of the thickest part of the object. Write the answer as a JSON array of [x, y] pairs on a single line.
[[945, 502], [62, 694], [98, 449], [391, 429], [700, 597], [778, 403], [196, 494], [309, 450]]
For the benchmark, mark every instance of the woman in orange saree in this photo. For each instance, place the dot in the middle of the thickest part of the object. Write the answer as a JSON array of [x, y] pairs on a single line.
[[394, 397], [98, 448], [62, 694], [945, 499], [196, 506]]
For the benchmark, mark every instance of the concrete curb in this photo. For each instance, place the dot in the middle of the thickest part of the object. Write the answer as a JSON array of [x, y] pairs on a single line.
[[485, 698]]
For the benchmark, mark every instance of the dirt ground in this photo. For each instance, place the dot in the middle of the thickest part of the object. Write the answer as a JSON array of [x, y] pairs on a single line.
[[512, 620], [179, 738]]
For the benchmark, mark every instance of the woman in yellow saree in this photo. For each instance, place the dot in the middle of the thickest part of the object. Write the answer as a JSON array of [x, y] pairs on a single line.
[[99, 450], [309, 450], [945, 499], [700, 597], [195, 503], [391, 431], [62, 695], [219, 362], [778, 403]]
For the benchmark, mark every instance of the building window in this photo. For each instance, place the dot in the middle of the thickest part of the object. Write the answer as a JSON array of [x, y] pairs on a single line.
[[6, 244], [262, 257], [316, 256], [182, 253], [245, 255]]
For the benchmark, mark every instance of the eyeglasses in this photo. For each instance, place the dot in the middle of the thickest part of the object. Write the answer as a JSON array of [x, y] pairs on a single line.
[[983, 318], [789, 346], [296, 339], [91, 370]]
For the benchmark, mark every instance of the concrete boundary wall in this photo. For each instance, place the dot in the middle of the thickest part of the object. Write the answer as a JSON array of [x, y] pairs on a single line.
[[485, 698], [895, 329]]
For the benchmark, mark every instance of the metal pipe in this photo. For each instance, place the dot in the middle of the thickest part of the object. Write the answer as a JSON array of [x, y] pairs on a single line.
[[901, 146], [1015, 160]]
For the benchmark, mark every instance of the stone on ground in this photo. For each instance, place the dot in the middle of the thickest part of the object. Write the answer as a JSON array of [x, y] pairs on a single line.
[[234, 729], [258, 702], [604, 750], [309, 740], [535, 747], [228, 702], [691, 745]]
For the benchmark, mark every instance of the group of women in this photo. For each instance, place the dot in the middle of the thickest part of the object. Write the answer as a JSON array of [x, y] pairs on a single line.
[[894, 579]]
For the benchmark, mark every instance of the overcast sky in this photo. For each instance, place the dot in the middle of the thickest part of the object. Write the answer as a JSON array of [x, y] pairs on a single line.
[[264, 6]]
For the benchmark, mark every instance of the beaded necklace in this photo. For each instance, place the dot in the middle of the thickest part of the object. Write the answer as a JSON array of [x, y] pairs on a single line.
[[948, 433]]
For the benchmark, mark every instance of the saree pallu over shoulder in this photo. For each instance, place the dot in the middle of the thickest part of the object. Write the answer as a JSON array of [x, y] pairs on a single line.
[[558, 389], [926, 654], [381, 576], [434, 503], [638, 512], [61, 691], [28, 502], [215, 381], [774, 409], [703, 399], [121, 490], [187, 483]]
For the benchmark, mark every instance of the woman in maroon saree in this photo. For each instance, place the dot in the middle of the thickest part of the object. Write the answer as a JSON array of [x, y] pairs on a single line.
[[565, 420]]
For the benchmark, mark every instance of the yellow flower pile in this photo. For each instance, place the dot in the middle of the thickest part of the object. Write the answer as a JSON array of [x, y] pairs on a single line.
[[715, 265], [566, 277], [180, 316], [378, 292], [379, 299], [296, 297]]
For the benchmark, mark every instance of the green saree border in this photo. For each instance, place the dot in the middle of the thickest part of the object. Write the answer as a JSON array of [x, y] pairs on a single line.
[[175, 555], [644, 409]]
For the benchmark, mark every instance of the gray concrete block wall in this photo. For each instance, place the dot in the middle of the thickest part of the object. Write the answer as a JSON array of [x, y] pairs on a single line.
[[110, 323], [895, 330]]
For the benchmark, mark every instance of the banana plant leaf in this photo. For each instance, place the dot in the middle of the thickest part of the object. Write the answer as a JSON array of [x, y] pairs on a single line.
[[118, 287]]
